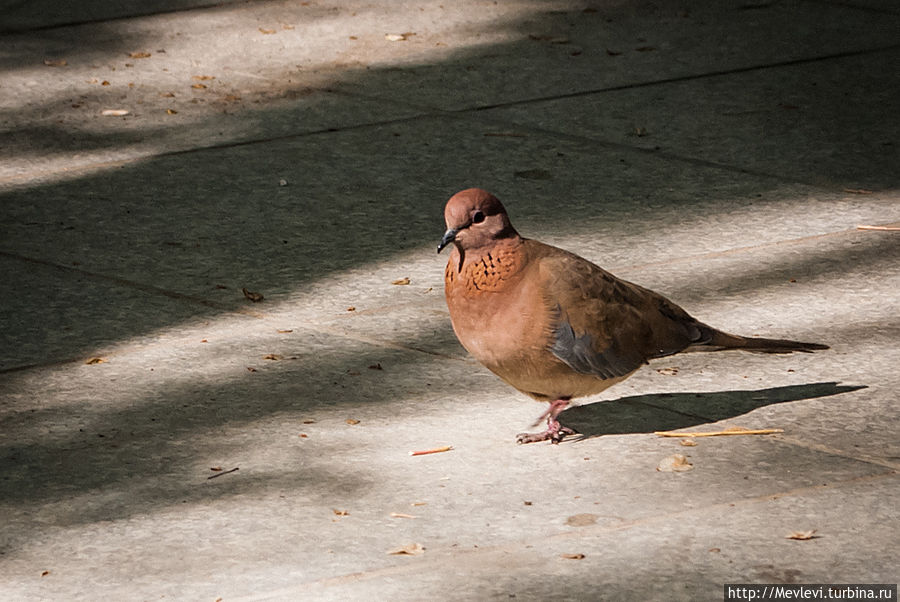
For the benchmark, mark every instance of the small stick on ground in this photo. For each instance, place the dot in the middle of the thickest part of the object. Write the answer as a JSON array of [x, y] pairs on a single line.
[[885, 228], [730, 431], [436, 450], [217, 475]]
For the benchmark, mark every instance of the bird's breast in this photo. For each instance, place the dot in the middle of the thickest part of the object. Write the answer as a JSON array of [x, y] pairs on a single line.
[[498, 315]]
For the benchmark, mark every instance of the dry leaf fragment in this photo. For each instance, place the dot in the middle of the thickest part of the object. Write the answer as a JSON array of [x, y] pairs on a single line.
[[266, 31], [139, 55], [198, 86], [351, 308], [581, 520], [419, 504], [113, 112], [675, 463], [203, 78], [401, 281], [397, 37], [401, 515], [55, 62], [286, 331], [412, 549], [45, 573], [273, 357], [352, 421], [572, 556], [167, 95], [255, 297], [340, 512], [215, 468], [436, 450], [171, 112], [668, 371], [251, 369], [688, 443], [309, 421], [802, 535], [95, 360]]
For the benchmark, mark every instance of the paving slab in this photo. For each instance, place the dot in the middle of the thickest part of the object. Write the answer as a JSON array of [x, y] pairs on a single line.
[[186, 78], [727, 543], [141, 225], [19, 16], [581, 47], [825, 123]]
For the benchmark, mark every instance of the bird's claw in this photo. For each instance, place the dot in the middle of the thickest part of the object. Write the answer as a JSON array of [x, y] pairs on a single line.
[[553, 434]]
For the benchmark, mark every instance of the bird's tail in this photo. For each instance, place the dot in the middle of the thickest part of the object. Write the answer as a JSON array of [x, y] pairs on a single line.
[[716, 340]]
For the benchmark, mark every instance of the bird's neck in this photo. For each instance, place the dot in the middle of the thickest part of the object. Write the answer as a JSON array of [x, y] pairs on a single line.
[[488, 268]]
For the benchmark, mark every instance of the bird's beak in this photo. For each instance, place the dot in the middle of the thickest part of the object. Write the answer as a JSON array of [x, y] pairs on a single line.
[[449, 236]]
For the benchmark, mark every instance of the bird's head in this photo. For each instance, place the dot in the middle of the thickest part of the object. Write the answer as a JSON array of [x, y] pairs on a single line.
[[475, 219]]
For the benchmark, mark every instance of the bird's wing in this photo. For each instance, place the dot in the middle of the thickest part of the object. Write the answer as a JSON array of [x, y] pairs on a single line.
[[603, 325]]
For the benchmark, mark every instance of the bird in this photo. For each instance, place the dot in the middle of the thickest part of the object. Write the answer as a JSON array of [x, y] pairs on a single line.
[[554, 325]]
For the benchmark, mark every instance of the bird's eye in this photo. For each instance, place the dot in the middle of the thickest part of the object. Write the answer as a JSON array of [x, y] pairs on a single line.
[[477, 217]]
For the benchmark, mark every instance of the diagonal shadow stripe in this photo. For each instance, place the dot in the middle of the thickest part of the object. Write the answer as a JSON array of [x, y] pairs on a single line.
[[672, 411]]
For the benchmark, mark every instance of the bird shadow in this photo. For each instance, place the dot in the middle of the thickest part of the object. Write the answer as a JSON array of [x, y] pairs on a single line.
[[672, 411]]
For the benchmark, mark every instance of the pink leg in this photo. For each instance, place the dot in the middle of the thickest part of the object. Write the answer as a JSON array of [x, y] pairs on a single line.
[[555, 431]]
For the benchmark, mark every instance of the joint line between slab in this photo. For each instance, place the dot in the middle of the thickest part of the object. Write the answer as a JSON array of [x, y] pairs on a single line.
[[154, 290], [685, 78], [26, 30], [852, 6], [124, 282]]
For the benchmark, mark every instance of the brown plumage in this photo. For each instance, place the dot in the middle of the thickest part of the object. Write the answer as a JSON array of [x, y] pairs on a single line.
[[554, 325]]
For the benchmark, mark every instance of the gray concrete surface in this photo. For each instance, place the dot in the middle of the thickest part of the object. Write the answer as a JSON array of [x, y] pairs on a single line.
[[722, 153]]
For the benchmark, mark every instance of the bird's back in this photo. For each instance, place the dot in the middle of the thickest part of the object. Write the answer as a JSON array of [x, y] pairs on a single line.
[[553, 324]]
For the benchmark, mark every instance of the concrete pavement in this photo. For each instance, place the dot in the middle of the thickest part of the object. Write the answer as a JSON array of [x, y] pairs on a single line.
[[720, 153]]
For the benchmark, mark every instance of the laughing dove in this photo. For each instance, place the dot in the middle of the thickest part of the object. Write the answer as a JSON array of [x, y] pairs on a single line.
[[554, 325]]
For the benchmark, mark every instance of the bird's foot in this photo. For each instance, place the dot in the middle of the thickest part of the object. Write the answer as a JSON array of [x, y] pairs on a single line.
[[555, 433]]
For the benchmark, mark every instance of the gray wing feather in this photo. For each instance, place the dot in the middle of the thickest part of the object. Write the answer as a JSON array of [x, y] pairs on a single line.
[[579, 354]]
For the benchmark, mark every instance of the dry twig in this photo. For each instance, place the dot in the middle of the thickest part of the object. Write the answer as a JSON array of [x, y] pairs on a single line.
[[883, 228], [732, 430], [219, 474], [436, 450]]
